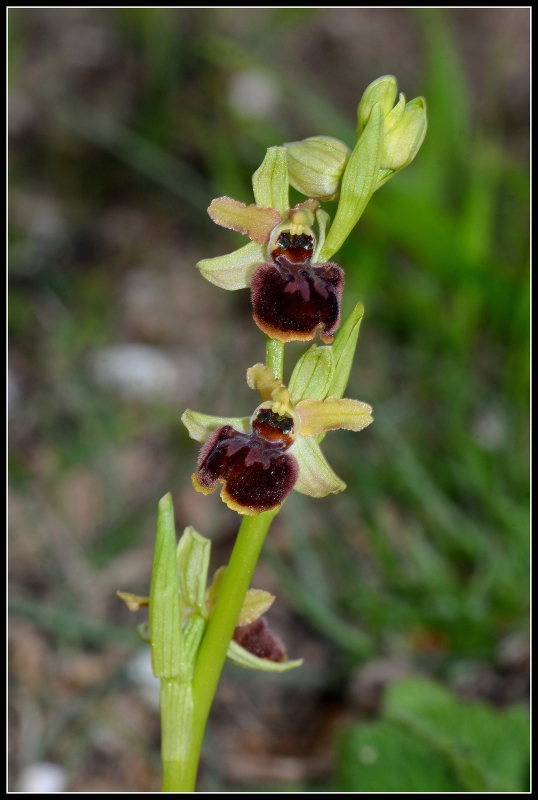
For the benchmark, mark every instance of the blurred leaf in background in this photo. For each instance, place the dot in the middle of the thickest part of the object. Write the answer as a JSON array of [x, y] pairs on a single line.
[[123, 124]]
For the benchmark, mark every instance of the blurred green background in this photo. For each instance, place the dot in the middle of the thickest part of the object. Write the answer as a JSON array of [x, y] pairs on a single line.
[[123, 125]]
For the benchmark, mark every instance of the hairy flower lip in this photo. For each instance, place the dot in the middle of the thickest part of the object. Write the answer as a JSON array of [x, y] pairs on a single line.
[[293, 301], [257, 473]]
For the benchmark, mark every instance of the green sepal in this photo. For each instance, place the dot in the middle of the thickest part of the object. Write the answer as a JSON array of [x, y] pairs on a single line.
[[238, 655], [234, 270], [270, 181], [201, 427], [324, 222], [313, 375], [193, 552], [358, 183], [167, 645], [343, 350], [316, 478]]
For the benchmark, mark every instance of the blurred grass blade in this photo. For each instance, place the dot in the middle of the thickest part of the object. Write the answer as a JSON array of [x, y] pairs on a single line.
[[99, 128]]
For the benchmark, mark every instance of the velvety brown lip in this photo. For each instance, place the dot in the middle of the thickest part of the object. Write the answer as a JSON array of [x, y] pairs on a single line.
[[257, 472], [291, 300]]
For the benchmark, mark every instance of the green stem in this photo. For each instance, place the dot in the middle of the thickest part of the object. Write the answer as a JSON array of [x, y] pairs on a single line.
[[212, 653], [274, 357]]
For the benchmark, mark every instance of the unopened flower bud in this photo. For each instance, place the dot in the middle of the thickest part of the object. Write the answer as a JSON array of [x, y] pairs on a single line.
[[404, 131], [383, 90], [316, 164]]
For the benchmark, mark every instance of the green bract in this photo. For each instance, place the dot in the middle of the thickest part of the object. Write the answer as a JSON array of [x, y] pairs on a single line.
[[358, 183]]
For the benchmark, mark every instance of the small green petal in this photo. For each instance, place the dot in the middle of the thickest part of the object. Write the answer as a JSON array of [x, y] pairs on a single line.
[[332, 414], [270, 181], [343, 349], [193, 561], [234, 270], [313, 374], [316, 478], [324, 222], [262, 378], [238, 655], [253, 221], [201, 427], [358, 183]]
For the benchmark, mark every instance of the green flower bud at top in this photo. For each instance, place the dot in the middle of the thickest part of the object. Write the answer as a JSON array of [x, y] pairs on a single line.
[[404, 132], [316, 164], [383, 90], [404, 125]]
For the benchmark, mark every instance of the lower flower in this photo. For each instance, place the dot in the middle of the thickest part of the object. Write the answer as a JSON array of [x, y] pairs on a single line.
[[260, 460]]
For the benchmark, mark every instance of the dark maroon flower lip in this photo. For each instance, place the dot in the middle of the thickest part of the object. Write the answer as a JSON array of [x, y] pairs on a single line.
[[291, 300], [258, 638], [257, 472], [291, 297]]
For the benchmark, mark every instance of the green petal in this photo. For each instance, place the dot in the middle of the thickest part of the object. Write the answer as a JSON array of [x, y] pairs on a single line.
[[316, 478], [234, 270], [358, 183], [253, 221], [202, 426], [270, 181], [343, 349], [243, 658], [332, 414], [193, 560], [313, 374]]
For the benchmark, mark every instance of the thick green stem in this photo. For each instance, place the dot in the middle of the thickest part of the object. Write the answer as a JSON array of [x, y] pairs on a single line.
[[217, 637], [274, 357]]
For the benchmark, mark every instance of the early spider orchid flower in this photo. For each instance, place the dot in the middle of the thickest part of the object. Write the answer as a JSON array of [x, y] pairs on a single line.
[[292, 294], [261, 458]]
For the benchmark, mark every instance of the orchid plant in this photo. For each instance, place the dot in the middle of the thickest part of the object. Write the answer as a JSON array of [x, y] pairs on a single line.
[[259, 459]]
